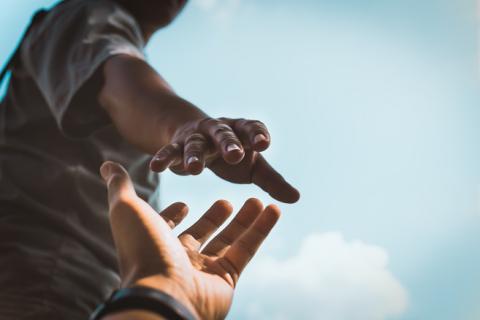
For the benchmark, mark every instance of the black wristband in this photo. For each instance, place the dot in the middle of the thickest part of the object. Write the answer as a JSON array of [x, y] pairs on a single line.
[[143, 298]]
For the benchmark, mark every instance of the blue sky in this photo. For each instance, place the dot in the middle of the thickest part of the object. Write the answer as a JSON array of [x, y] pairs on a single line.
[[373, 109]]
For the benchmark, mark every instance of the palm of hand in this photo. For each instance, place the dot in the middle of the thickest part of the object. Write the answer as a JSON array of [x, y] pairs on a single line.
[[213, 287], [204, 283], [215, 269], [203, 279]]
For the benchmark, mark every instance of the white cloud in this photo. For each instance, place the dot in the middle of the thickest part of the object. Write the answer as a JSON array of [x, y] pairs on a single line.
[[329, 279], [206, 4], [220, 9]]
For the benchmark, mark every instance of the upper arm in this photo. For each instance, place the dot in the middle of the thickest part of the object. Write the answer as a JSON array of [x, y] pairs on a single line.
[[65, 55], [129, 80]]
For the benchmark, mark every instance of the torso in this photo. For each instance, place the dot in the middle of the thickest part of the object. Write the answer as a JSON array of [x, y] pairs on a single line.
[[55, 241]]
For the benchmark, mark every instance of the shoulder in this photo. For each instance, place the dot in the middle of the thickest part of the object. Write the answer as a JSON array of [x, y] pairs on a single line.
[[72, 18]]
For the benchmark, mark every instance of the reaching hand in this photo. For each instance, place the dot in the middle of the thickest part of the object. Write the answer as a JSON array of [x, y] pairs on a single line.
[[230, 148], [203, 279]]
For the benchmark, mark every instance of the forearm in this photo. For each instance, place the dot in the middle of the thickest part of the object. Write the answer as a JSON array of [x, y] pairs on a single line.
[[142, 106]]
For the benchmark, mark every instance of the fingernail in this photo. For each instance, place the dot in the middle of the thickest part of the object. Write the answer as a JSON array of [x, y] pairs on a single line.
[[192, 159], [105, 171], [232, 147], [259, 138]]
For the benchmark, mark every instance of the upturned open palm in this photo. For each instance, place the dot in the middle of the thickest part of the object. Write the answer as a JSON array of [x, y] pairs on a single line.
[[199, 274]]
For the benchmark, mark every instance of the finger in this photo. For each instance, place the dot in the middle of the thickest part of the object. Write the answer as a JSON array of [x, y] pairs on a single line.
[[242, 221], [144, 242], [169, 155], [174, 214], [272, 182], [254, 133], [196, 146], [200, 231], [245, 247], [224, 139], [119, 185]]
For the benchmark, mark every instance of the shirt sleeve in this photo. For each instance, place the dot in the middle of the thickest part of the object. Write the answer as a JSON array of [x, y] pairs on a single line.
[[63, 55]]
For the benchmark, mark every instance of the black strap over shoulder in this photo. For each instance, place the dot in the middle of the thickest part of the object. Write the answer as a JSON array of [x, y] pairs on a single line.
[[15, 55]]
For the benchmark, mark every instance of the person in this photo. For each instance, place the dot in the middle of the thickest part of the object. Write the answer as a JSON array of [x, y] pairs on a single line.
[[81, 92], [199, 275]]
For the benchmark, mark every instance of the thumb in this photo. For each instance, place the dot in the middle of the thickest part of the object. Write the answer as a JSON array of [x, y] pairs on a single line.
[[118, 182], [272, 182], [145, 243]]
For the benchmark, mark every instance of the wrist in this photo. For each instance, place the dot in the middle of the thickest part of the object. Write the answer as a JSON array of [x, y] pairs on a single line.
[[183, 116], [144, 303], [134, 315], [170, 287]]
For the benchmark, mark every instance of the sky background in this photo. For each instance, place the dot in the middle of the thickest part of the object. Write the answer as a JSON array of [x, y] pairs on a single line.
[[373, 107]]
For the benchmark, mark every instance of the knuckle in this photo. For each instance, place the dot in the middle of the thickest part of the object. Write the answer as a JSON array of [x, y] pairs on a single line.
[[225, 133], [197, 152], [169, 150], [207, 123], [222, 127], [196, 138], [255, 124], [246, 246], [165, 152], [240, 120], [225, 239], [162, 154], [240, 123], [195, 146], [159, 153], [251, 126]]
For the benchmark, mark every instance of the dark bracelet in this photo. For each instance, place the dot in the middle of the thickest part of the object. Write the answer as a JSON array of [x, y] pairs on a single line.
[[143, 298]]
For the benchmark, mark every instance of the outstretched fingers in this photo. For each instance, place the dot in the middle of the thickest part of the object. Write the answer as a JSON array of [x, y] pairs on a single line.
[[195, 236], [242, 221], [166, 157], [174, 214], [244, 248], [196, 146], [225, 140], [253, 133]]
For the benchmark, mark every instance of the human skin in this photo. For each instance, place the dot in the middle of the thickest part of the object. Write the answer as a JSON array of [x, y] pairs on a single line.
[[200, 274], [152, 117]]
